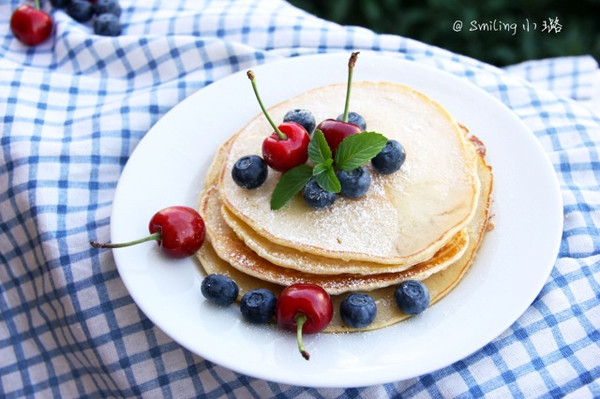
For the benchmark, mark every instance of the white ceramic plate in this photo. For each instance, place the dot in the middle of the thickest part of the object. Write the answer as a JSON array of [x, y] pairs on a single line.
[[168, 168]]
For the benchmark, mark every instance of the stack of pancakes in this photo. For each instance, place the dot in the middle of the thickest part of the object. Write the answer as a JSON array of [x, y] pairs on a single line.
[[425, 221]]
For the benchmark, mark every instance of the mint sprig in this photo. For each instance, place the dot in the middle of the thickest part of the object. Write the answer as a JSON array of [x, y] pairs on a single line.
[[357, 149], [353, 151], [318, 149], [290, 184]]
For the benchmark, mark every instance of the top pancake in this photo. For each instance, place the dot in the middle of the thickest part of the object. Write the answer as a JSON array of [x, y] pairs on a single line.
[[404, 217]]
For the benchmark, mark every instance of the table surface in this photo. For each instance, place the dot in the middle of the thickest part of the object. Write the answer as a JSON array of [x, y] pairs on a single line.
[[73, 109]]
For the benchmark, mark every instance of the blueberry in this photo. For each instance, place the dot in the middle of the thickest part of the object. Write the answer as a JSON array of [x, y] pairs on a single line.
[[412, 297], [249, 171], [258, 306], [355, 118], [107, 25], [358, 310], [80, 10], [355, 183], [107, 6], [219, 289], [59, 3], [390, 158], [315, 196], [303, 117]]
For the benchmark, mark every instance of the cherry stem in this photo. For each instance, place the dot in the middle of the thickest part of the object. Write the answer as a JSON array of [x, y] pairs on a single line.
[[351, 63], [279, 133], [300, 320], [154, 236]]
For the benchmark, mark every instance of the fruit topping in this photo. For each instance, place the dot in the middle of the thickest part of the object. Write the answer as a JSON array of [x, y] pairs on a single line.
[[337, 130], [355, 118], [304, 308], [412, 297], [287, 146], [353, 152], [317, 197], [219, 289], [303, 117], [249, 171], [285, 154], [107, 24], [390, 159], [30, 25], [179, 231], [358, 310], [258, 305], [355, 183]]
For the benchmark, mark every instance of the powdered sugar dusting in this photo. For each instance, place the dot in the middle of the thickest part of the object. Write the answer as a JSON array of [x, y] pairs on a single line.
[[402, 215]]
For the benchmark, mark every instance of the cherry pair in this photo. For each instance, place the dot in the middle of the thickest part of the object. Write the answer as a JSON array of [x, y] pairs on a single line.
[[287, 146]]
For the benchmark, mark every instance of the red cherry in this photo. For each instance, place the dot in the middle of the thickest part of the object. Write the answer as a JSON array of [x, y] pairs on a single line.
[[335, 131], [30, 25], [283, 155], [287, 146], [304, 308], [179, 231]]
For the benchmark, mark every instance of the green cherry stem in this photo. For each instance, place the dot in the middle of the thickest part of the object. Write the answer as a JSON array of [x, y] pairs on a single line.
[[351, 63], [280, 134], [37, 4], [300, 320], [154, 236]]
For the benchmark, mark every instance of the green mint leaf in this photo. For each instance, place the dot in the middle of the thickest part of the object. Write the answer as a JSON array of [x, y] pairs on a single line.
[[322, 167], [357, 149], [289, 185], [318, 149], [328, 180]]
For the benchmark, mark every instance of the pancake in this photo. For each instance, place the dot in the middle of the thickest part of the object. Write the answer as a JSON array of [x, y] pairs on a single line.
[[229, 247], [404, 218], [439, 284], [314, 264]]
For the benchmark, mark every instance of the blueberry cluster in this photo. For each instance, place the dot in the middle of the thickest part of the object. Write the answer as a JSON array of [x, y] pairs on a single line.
[[104, 13], [354, 183], [257, 306], [356, 310], [359, 310]]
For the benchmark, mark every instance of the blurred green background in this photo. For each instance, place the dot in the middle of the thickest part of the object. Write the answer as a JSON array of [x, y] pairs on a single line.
[[561, 27]]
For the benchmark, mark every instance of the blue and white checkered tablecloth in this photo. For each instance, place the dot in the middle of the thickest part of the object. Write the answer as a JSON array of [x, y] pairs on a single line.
[[73, 109]]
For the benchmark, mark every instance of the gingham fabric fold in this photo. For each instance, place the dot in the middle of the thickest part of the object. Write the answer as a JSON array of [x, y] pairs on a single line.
[[73, 109]]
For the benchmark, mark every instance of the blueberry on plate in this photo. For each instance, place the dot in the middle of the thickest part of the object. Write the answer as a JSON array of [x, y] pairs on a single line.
[[355, 183], [390, 158], [356, 118], [219, 289], [412, 297], [258, 305], [302, 116], [107, 6], [80, 10], [317, 197], [249, 172], [358, 310], [107, 25]]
